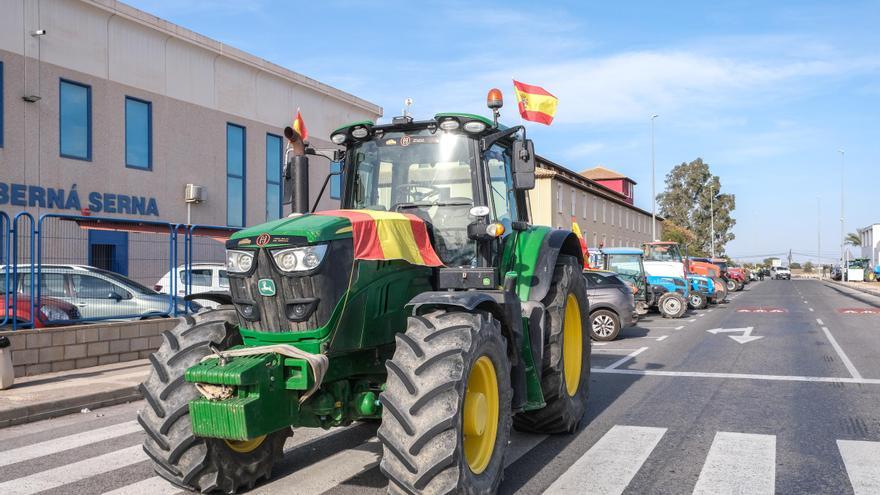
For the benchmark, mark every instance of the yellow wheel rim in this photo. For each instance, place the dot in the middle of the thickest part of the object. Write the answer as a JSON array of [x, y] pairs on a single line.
[[245, 446], [572, 345], [480, 415]]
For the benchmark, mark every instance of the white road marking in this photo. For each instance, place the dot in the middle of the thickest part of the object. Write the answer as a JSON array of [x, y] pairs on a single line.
[[679, 328], [710, 310], [610, 465], [843, 357], [330, 471], [661, 339], [739, 376], [805, 302], [819, 321], [61, 444], [745, 338], [154, 486], [71, 473], [599, 343], [626, 358], [811, 309], [739, 463], [860, 459], [701, 314], [692, 320]]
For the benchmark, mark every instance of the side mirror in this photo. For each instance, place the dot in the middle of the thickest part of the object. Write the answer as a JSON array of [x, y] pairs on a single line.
[[113, 295], [286, 185], [336, 180], [523, 165]]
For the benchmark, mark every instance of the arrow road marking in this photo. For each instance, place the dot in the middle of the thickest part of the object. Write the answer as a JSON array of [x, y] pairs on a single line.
[[745, 338]]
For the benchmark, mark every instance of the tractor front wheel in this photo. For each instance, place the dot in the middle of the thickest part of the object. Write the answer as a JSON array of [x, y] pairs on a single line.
[[672, 305], [697, 300], [565, 379], [446, 405], [188, 461]]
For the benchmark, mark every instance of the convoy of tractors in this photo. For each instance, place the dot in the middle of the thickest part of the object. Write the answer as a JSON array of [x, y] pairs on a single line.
[[429, 303]]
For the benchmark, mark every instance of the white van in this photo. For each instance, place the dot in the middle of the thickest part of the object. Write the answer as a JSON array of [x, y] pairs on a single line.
[[206, 277]]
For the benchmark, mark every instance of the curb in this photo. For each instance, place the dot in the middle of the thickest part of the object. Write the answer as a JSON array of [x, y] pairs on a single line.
[[53, 409], [871, 292]]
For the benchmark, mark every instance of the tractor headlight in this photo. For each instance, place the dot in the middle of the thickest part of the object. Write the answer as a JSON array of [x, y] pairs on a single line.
[[338, 138], [239, 261], [299, 259], [474, 126]]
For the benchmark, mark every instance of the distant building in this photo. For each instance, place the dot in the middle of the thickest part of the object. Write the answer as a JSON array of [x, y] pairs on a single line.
[[870, 237], [603, 210]]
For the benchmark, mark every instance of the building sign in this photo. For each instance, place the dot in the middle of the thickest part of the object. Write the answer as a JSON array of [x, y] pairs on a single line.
[[60, 199]]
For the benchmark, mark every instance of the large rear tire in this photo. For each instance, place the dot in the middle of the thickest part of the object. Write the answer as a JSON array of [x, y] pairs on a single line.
[[565, 378], [188, 461], [720, 290], [446, 405]]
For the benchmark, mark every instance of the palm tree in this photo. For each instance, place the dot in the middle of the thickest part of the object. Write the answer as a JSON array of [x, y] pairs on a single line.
[[853, 239]]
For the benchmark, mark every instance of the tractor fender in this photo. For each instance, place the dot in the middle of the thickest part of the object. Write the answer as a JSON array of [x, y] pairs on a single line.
[[503, 305], [556, 242]]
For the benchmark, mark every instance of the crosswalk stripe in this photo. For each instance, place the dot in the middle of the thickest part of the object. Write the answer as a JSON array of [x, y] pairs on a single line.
[[610, 464], [60, 444], [71, 473], [739, 463], [329, 471], [154, 486], [861, 461]]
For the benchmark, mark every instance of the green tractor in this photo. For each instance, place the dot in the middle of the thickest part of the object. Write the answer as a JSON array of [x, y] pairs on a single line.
[[311, 334]]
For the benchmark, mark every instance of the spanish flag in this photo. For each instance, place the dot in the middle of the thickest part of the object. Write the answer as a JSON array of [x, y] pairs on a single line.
[[577, 231], [535, 103], [299, 125], [384, 235]]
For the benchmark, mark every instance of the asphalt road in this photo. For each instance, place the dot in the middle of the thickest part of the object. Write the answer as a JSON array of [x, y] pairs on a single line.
[[673, 409]]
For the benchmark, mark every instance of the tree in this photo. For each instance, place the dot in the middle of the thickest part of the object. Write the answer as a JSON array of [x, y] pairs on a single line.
[[686, 202], [808, 267], [853, 239], [795, 265], [673, 232]]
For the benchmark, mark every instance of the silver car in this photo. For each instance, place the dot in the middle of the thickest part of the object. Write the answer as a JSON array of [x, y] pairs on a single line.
[[98, 294], [612, 304]]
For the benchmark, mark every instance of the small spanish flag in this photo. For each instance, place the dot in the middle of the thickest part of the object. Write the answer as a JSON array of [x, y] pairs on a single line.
[[535, 103], [385, 235], [299, 125], [577, 231]]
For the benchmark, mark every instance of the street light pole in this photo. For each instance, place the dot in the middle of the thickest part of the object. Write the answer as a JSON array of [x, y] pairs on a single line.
[[819, 235], [842, 238], [653, 185], [712, 220]]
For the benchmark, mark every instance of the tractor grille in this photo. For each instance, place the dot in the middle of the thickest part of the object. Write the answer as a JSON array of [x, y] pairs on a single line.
[[324, 286]]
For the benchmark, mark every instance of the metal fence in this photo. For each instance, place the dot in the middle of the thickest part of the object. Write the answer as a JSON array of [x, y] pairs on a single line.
[[63, 269]]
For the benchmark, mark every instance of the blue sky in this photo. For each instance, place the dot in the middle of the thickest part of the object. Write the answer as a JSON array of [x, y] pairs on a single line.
[[765, 92]]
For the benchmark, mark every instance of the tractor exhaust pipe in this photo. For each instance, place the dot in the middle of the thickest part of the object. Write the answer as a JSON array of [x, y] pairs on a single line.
[[296, 172]]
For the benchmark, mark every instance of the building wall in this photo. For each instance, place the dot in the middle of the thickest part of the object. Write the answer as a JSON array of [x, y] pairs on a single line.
[[605, 220], [195, 85], [870, 237]]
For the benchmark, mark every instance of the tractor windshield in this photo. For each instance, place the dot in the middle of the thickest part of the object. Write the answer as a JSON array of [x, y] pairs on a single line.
[[628, 266], [424, 173], [662, 252]]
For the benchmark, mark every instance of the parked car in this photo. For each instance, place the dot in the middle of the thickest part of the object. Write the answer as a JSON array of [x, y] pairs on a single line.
[[782, 273], [206, 277], [52, 311], [612, 304], [97, 293]]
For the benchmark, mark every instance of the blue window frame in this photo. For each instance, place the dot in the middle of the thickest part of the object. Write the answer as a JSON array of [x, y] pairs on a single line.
[[1, 104], [273, 176], [138, 133], [235, 175], [75, 120]]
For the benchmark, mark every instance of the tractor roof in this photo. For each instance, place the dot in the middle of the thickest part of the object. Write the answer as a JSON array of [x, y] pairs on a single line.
[[436, 119], [622, 250]]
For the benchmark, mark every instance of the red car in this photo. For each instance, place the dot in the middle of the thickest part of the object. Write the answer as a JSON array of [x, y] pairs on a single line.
[[51, 312]]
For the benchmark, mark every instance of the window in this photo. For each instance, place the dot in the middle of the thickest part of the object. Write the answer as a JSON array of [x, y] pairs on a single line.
[[51, 284], [200, 277], [559, 197], [273, 176], [595, 209], [595, 240], [224, 279], [584, 200], [604, 207], [89, 287], [503, 195], [75, 120], [573, 203], [138, 134], [612, 215], [1, 104], [235, 172]]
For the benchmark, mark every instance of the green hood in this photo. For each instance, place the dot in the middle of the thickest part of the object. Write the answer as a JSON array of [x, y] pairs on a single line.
[[315, 228]]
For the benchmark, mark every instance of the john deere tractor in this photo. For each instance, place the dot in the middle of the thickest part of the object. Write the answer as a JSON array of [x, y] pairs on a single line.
[[326, 323]]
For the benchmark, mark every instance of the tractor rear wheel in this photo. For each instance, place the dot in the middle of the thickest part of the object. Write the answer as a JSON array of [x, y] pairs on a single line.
[[565, 379], [720, 289], [188, 461], [446, 405]]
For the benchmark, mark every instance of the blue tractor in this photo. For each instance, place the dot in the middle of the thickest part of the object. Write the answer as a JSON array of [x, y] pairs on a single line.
[[669, 295]]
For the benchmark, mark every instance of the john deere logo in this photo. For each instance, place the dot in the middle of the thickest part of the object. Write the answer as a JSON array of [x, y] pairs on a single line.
[[266, 287], [263, 239]]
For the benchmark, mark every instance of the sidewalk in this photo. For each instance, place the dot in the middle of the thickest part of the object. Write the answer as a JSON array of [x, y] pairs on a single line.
[[872, 288], [55, 394]]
